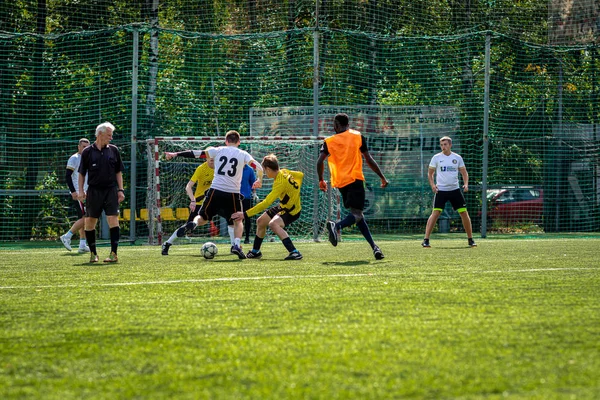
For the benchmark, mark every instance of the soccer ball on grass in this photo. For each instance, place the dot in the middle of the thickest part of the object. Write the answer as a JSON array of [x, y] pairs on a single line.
[[209, 250]]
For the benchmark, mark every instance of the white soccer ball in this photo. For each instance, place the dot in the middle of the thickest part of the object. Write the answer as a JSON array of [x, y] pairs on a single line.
[[209, 250]]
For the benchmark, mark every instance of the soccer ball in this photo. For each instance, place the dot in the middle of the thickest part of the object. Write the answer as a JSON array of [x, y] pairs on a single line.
[[209, 250]]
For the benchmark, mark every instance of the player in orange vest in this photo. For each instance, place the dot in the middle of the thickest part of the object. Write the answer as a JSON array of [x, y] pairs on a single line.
[[345, 151]]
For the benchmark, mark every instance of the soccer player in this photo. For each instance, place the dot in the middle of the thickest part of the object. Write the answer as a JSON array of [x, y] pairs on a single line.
[[102, 164], [187, 228], [286, 187], [446, 166], [224, 198], [202, 178], [248, 179], [345, 151], [72, 178]]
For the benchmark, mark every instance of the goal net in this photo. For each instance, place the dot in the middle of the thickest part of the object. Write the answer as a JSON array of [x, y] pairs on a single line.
[[167, 202]]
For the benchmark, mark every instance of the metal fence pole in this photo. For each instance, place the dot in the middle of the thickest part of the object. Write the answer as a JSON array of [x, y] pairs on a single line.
[[316, 222], [486, 126], [134, 101]]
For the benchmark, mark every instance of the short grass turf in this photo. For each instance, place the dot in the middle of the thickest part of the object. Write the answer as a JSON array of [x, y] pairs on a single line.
[[515, 319]]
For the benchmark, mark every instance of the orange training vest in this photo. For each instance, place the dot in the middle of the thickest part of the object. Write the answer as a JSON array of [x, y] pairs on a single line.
[[345, 159]]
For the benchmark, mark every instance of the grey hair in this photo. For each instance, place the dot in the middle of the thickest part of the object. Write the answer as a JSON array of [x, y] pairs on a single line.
[[103, 127]]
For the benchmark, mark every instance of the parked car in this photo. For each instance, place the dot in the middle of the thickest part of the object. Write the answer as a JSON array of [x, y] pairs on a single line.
[[516, 204]]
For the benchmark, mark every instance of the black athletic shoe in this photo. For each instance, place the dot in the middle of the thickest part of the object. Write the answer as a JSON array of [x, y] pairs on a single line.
[[333, 238], [294, 255], [378, 253], [165, 248], [239, 252], [472, 243], [231, 251], [252, 254], [425, 243]]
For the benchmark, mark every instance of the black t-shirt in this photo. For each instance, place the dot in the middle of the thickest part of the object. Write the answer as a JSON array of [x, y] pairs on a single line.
[[101, 165]]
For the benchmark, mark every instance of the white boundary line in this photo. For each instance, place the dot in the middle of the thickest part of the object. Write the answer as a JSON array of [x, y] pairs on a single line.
[[282, 277], [225, 279]]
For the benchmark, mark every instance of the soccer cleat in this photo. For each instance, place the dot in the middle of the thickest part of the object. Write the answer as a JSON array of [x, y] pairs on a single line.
[[165, 248], [93, 258], [333, 238], [294, 255], [112, 258], [378, 253], [425, 243], [239, 252], [252, 254], [66, 242], [84, 249], [472, 243], [247, 241]]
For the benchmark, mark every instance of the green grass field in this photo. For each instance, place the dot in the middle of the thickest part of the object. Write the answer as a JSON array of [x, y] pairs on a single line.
[[516, 319]]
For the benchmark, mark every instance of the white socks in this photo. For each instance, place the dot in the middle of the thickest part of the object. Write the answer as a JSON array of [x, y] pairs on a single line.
[[231, 235]]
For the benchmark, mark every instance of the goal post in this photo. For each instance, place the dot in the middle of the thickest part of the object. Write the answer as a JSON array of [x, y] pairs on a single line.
[[167, 180]]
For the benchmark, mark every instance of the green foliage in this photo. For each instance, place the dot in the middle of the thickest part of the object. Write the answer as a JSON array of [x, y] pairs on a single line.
[[52, 219], [218, 59], [509, 319], [10, 213]]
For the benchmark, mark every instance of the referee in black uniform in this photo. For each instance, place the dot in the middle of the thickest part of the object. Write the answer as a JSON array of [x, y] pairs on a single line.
[[102, 163]]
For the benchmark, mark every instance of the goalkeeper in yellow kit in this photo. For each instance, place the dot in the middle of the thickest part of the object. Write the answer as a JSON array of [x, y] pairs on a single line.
[[286, 188]]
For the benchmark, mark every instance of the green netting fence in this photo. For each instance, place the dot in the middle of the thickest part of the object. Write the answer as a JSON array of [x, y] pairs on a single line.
[[523, 114]]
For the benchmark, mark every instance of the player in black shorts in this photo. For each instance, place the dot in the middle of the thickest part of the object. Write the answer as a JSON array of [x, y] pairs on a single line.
[[446, 165], [223, 197], [102, 163], [72, 178]]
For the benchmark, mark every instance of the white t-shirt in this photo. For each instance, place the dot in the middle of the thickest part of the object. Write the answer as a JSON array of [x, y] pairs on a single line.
[[446, 170], [229, 167], [73, 165]]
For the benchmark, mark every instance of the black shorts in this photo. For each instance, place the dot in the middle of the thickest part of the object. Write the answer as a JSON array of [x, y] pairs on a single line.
[[220, 203], [196, 209], [285, 216], [102, 199], [78, 207], [353, 195], [455, 197]]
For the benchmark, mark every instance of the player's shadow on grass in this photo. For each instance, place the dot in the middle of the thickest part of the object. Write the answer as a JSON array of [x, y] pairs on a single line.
[[100, 263], [75, 254], [347, 263], [446, 248]]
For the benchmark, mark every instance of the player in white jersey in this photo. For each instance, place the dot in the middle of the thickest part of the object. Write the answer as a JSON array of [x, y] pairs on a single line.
[[72, 178], [446, 166], [224, 198]]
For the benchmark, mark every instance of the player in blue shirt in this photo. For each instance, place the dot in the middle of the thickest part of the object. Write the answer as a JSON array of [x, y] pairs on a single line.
[[248, 179]]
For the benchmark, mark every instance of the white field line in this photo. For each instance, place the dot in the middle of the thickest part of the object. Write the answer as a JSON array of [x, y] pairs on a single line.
[[175, 281], [282, 277]]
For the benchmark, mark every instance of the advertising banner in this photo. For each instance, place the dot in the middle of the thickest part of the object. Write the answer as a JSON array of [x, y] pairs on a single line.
[[402, 139]]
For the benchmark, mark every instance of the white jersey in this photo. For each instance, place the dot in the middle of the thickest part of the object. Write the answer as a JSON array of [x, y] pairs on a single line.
[[229, 167], [73, 165], [446, 170]]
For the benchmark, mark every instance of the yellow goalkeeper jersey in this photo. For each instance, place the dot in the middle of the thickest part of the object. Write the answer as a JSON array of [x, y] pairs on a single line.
[[286, 188], [203, 176]]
